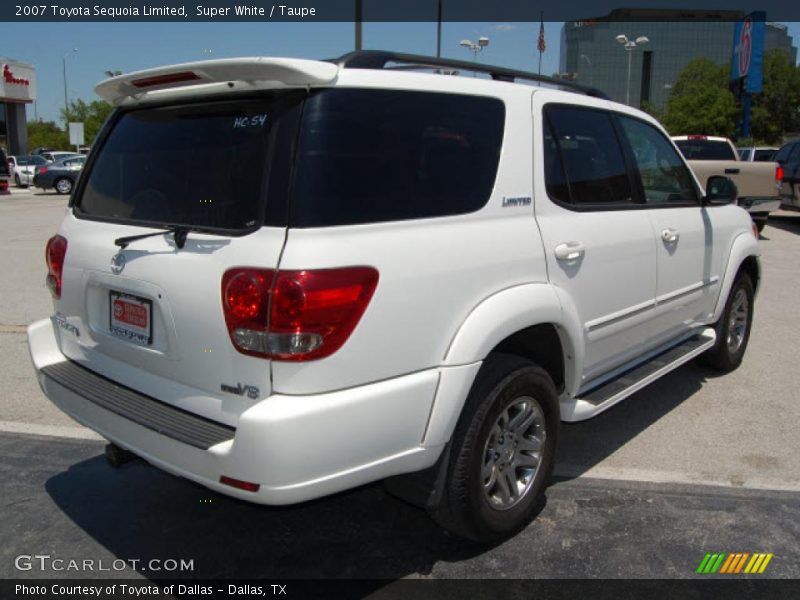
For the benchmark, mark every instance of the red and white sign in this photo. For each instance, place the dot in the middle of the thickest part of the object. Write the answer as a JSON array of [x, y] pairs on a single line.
[[17, 81], [745, 46], [131, 317]]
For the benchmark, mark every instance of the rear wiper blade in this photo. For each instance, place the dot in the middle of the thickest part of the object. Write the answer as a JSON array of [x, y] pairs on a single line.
[[179, 234]]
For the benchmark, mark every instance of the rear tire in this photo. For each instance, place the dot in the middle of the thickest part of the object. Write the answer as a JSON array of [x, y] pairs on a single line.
[[17, 181], [733, 328], [63, 185], [503, 450]]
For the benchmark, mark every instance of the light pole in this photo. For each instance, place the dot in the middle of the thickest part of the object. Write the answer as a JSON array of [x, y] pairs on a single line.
[[64, 64], [630, 46], [475, 47]]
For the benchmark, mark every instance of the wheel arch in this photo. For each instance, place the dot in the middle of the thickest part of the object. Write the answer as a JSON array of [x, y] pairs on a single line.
[[526, 321], [743, 257]]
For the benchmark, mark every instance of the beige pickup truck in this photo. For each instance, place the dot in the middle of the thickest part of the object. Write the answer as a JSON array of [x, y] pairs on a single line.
[[758, 182]]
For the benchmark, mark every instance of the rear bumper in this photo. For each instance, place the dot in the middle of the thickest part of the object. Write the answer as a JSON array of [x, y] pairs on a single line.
[[295, 447], [760, 205]]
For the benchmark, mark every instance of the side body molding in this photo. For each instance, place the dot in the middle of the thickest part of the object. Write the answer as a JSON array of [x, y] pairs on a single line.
[[489, 323]]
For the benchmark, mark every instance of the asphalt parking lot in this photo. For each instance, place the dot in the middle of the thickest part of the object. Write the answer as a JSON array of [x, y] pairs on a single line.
[[694, 463]]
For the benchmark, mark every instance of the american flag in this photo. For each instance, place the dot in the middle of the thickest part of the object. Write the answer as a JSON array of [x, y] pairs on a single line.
[[541, 45]]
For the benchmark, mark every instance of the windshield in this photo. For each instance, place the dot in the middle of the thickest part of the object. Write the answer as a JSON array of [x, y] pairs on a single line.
[[198, 165], [706, 150]]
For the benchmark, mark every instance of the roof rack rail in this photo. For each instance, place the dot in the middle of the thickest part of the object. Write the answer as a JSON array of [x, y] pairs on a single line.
[[378, 59]]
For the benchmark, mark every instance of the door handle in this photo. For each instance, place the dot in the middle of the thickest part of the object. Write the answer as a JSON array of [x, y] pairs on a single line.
[[669, 235], [570, 251], [731, 171]]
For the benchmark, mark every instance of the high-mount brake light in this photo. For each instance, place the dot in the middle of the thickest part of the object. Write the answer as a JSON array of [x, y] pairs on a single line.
[[294, 315], [168, 78], [696, 137], [55, 252]]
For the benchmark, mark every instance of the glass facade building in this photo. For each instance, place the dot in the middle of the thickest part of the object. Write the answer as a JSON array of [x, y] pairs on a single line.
[[591, 55]]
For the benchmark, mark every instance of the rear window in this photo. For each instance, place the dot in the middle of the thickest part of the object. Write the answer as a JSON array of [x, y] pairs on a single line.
[[705, 150], [368, 156], [764, 155], [26, 161], [213, 166]]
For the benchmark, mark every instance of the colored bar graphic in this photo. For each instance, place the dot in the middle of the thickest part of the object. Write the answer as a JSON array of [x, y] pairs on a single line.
[[703, 563], [734, 563]]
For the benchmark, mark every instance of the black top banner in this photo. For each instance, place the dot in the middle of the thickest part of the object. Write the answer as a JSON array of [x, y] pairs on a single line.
[[392, 10]]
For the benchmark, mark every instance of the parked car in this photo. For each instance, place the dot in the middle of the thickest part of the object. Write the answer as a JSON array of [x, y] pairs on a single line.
[[55, 156], [5, 172], [757, 154], [386, 274], [758, 183], [788, 157], [23, 168], [60, 176]]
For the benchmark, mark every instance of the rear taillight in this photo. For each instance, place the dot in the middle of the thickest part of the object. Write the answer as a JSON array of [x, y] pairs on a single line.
[[778, 173], [54, 254], [294, 315], [40, 170]]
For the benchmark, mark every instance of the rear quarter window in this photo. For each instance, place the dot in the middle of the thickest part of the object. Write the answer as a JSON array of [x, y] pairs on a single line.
[[367, 156]]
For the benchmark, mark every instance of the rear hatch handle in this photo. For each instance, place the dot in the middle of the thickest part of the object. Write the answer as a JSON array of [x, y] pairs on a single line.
[[179, 234]]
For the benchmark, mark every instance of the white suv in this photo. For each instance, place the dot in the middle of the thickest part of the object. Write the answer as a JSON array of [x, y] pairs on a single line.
[[284, 278]]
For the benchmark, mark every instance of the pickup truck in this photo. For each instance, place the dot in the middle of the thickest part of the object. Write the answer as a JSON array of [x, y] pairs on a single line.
[[758, 183]]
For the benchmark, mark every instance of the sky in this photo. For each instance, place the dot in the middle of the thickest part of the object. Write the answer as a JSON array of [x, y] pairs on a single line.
[[133, 46]]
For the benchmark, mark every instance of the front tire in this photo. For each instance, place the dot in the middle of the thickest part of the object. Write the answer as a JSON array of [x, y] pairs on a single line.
[[503, 450], [63, 186], [733, 327]]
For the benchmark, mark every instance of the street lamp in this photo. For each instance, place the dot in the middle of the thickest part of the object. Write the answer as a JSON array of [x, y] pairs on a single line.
[[475, 47], [64, 64], [630, 46]]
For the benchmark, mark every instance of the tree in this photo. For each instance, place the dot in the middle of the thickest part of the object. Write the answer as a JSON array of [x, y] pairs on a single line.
[[701, 102], [777, 109], [92, 115], [46, 134]]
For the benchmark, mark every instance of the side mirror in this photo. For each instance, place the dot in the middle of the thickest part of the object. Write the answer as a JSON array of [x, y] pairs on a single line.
[[720, 190]]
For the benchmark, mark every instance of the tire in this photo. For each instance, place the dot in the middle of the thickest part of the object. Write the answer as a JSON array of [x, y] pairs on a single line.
[[17, 181], [760, 224], [63, 185], [728, 351], [476, 504]]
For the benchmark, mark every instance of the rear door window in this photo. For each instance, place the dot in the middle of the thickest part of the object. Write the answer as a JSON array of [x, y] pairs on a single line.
[[367, 156], [588, 155], [207, 165], [705, 150]]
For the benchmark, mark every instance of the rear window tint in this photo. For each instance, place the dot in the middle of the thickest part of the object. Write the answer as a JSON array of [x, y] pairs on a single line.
[[705, 150], [205, 165], [764, 155], [368, 156]]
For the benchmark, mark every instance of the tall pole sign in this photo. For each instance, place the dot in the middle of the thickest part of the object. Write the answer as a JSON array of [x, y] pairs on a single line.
[[747, 62]]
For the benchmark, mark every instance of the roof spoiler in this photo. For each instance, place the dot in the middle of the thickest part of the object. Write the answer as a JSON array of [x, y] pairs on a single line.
[[284, 71]]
